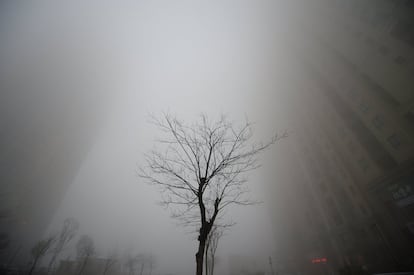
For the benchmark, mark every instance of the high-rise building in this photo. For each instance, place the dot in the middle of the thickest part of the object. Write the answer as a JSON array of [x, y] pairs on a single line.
[[352, 148], [40, 156], [51, 109]]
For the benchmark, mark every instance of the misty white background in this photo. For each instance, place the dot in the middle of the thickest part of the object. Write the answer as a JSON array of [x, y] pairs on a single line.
[[141, 57]]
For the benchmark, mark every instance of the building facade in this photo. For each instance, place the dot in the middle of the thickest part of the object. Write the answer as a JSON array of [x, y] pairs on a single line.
[[352, 146]]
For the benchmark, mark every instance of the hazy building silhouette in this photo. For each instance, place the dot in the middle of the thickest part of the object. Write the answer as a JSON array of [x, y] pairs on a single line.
[[349, 193], [42, 149], [49, 116]]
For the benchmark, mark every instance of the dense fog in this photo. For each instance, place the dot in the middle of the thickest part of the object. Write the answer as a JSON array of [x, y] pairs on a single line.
[[81, 81]]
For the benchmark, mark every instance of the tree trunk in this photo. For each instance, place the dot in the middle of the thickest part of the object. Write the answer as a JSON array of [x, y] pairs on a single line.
[[52, 261], [33, 266], [83, 265], [200, 256], [206, 263], [105, 269], [206, 259]]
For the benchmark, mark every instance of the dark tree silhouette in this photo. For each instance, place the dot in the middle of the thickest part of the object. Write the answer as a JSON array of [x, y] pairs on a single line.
[[142, 259], [39, 250], [147, 261], [68, 232], [152, 261], [201, 170], [85, 248], [110, 261], [131, 263]]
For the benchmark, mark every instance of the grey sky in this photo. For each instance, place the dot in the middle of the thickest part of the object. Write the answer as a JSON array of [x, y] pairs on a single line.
[[139, 57]]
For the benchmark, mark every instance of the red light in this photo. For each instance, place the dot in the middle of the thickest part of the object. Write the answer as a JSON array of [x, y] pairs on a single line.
[[319, 260]]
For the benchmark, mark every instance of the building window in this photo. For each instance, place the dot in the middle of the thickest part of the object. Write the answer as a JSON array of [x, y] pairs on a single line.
[[316, 172], [352, 94], [352, 147], [352, 190], [333, 212], [343, 173], [403, 31], [357, 34], [364, 108], [378, 122], [342, 132], [410, 117], [369, 41], [309, 217], [323, 187], [400, 60], [395, 141], [383, 50], [328, 147], [338, 220], [364, 210], [363, 164]]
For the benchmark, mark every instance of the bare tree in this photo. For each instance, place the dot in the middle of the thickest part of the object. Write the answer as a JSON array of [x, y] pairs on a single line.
[[68, 232], [211, 247], [131, 263], [272, 272], [142, 259], [110, 261], [39, 250], [202, 169], [147, 262], [84, 249], [152, 261]]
